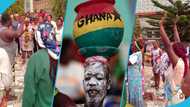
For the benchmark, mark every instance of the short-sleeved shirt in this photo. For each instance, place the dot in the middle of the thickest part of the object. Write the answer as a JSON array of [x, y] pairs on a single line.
[[5, 69]]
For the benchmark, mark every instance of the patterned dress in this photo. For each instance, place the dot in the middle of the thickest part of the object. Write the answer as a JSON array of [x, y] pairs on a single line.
[[135, 80], [26, 41]]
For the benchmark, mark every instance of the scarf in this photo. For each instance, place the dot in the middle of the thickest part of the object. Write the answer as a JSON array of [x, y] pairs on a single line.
[[45, 36]]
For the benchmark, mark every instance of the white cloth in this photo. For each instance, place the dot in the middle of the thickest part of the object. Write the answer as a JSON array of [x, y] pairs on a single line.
[[54, 24], [59, 35], [5, 70], [69, 79], [188, 49], [41, 44], [134, 58]]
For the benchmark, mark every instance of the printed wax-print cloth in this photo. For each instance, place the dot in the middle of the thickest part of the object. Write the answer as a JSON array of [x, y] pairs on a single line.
[[164, 63], [45, 37], [26, 41]]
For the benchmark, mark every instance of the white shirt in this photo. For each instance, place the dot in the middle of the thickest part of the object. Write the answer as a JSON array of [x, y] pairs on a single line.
[[156, 53], [59, 34], [5, 70], [136, 58]]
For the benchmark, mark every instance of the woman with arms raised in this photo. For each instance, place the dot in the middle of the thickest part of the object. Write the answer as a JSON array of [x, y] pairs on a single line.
[[178, 59]]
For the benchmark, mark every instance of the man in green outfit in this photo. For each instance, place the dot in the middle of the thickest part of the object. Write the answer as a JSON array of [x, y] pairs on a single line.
[[41, 70]]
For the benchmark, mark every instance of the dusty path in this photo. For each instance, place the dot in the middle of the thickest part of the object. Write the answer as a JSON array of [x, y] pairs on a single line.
[[153, 98]]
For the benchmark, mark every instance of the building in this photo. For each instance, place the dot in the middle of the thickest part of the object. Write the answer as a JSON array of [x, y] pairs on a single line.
[[42, 4], [144, 9], [32, 5], [145, 6], [28, 5]]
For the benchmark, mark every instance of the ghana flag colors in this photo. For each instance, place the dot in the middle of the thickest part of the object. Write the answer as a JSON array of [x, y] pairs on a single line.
[[98, 28], [126, 8]]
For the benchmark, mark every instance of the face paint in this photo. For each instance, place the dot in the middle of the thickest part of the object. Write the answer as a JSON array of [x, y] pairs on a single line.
[[95, 83]]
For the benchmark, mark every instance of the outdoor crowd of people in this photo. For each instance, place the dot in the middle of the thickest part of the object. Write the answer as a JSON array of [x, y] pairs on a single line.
[[35, 36], [170, 65], [27, 36]]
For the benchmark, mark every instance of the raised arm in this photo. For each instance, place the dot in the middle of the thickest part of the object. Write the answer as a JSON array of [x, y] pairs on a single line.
[[15, 34], [173, 57], [176, 33]]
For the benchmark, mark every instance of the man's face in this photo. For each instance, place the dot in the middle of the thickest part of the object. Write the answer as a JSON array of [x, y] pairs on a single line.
[[95, 83], [59, 23], [49, 18], [40, 20]]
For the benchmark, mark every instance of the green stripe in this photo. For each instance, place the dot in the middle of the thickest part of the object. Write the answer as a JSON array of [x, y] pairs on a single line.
[[103, 37], [105, 51]]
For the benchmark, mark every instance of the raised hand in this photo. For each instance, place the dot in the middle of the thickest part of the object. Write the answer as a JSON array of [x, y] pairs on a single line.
[[176, 33]]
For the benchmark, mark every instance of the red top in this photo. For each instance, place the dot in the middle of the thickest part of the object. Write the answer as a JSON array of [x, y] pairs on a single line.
[[77, 9]]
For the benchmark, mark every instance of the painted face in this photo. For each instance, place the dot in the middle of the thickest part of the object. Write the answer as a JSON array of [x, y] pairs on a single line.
[[95, 83]]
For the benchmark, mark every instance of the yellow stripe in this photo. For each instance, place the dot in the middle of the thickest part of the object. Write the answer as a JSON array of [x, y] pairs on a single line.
[[96, 26]]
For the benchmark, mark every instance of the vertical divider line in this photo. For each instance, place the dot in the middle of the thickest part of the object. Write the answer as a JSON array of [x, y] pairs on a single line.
[[131, 6], [54, 87]]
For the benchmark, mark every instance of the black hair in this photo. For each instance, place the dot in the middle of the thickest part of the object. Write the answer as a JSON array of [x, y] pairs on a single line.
[[5, 18], [50, 15], [60, 19], [66, 44]]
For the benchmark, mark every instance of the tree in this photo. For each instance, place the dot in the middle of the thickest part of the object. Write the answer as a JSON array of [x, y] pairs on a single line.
[[59, 7], [17, 7], [177, 10]]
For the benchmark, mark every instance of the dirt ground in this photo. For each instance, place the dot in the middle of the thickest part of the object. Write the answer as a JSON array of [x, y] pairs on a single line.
[[152, 97]]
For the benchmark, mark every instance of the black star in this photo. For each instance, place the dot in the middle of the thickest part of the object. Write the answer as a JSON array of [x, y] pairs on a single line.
[[117, 16]]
